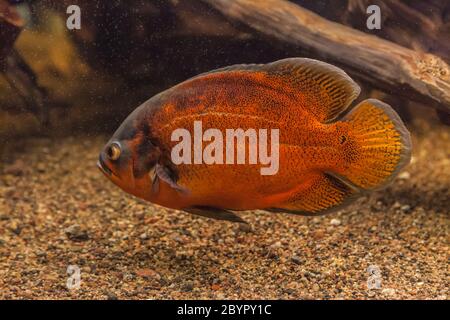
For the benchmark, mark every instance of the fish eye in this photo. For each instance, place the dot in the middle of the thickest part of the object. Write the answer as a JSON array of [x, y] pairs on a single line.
[[113, 152]]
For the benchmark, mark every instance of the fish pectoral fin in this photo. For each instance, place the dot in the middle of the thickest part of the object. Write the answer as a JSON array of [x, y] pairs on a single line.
[[325, 193], [154, 179], [163, 174], [215, 213]]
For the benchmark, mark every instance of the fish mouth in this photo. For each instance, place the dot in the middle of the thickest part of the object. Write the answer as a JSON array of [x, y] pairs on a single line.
[[103, 167]]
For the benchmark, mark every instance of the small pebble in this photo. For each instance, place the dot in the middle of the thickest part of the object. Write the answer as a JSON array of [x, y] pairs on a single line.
[[41, 167], [40, 253], [276, 245], [335, 222], [245, 227], [76, 233], [148, 273], [388, 291], [143, 236], [297, 260], [405, 175], [188, 286], [220, 296], [405, 208], [15, 227], [111, 296]]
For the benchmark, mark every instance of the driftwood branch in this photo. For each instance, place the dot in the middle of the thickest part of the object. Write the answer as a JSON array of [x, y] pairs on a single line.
[[383, 64], [10, 27], [15, 70]]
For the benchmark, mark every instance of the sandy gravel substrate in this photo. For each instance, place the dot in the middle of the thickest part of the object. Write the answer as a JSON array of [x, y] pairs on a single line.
[[56, 210]]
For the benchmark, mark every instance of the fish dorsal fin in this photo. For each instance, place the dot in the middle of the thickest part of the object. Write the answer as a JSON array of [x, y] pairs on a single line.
[[322, 89]]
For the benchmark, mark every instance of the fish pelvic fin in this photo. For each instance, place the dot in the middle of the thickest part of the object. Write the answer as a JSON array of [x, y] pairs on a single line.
[[380, 145], [323, 193], [215, 213]]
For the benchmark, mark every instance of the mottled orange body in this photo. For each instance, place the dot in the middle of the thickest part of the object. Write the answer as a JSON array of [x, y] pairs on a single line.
[[322, 161]]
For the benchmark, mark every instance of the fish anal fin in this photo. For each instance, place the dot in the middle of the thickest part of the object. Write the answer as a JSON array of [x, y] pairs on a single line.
[[324, 194], [215, 213], [320, 88]]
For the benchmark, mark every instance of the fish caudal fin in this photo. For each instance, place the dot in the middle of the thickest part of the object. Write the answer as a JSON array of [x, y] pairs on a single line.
[[382, 143]]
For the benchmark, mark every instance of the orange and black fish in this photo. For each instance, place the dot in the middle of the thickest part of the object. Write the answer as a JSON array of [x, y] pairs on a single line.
[[328, 155]]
